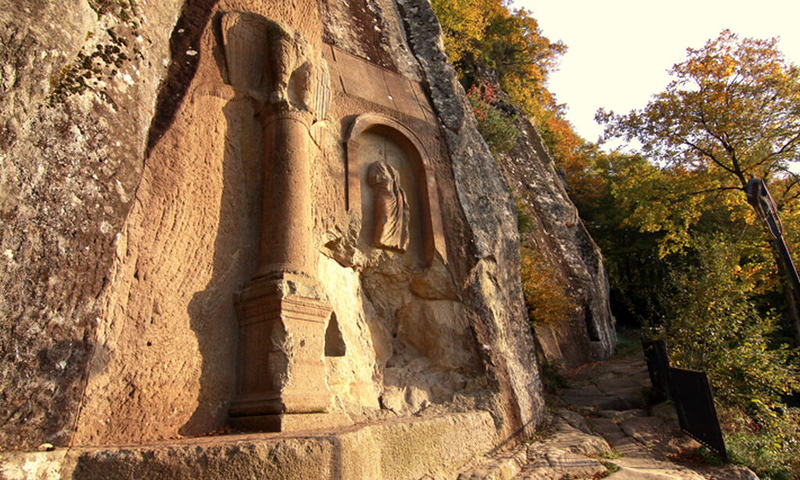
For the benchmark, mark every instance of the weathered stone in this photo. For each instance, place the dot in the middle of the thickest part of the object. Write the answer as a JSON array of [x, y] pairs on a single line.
[[489, 266], [568, 449], [391, 450], [731, 472], [569, 438], [649, 469], [370, 29], [622, 444], [575, 420], [435, 282], [353, 377], [438, 330], [33, 465], [658, 434], [556, 464], [165, 364], [425, 38], [72, 142], [503, 465], [282, 313], [123, 250], [558, 233]]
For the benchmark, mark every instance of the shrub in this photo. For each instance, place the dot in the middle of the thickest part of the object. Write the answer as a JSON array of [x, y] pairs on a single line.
[[554, 376], [714, 325], [497, 128], [463, 23], [772, 450]]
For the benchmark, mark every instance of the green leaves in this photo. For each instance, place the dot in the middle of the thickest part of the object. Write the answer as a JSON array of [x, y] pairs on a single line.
[[714, 325], [702, 268], [497, 128]]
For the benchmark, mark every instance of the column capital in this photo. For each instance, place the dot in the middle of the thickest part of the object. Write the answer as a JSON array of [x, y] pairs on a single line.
[[284, 111]]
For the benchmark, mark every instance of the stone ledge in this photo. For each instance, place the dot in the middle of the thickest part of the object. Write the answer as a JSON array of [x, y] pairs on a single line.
[[405, 448]]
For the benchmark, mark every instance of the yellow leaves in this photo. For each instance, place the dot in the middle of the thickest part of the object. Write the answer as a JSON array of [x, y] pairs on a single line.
[[546, 295], [730, 109], [487, 33], [463, 22], [709, 65], [730, 113]]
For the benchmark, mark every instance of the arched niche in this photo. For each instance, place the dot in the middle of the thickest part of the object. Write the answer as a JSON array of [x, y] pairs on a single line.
[[425, 201]]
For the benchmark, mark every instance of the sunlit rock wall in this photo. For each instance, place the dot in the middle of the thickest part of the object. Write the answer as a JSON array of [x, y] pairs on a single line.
[[587, 334], [131, 197], [78, 91]]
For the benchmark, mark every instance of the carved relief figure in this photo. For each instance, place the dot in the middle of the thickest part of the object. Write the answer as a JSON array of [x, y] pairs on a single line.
[[274, 64], [391, 207]]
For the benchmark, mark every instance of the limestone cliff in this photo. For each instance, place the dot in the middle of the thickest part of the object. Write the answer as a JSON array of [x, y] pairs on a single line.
[[135, 190]]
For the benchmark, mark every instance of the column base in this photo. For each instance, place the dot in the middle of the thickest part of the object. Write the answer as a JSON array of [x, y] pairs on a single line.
[[281, 368], [279, 402]]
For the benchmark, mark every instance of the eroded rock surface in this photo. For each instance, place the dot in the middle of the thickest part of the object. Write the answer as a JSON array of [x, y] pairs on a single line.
[[559, 235], [135, 168], [489, 265], [78, 86], [583, 440]]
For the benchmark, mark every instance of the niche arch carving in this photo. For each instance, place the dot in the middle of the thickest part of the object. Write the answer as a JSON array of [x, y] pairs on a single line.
[[424, 188]]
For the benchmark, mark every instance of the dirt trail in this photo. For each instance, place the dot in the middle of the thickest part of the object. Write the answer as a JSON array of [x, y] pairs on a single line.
[[603, 427]]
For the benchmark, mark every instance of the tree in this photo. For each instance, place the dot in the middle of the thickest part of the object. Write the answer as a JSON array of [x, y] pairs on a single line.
[[715, 326], [463, 23], [486, 38], [600, 187], [731, 112], [514, 47]]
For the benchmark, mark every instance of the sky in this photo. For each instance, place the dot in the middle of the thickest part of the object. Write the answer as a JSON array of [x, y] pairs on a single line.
[[619, 51]]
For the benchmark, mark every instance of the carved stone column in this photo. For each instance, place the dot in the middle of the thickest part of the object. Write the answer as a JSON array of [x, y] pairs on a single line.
[[282, 310], [287, 227]]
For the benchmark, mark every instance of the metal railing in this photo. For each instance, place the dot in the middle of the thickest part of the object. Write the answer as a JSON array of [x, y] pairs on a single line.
[[691, 394]]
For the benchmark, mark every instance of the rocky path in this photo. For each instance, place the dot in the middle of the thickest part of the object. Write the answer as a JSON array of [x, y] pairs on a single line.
[[603, 427]]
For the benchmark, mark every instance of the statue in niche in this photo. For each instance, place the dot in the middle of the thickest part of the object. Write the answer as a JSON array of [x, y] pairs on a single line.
[[391, 207]]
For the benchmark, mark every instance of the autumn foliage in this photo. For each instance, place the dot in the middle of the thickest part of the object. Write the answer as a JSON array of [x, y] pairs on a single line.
[[732, 110], [685, 252], [546, 295], [496, 127], [681, 231], [486, 35]]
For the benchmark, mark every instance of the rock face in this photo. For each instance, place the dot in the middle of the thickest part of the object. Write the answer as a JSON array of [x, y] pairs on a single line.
[[147, 188], [399, 449], [78, 88], [557, 232], [489, 264]]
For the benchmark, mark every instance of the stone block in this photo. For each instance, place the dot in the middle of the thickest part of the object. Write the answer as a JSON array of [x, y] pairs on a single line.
[[402, 449]]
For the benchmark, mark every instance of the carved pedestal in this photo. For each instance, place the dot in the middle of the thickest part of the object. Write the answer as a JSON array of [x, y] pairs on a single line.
[[281, 347]]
